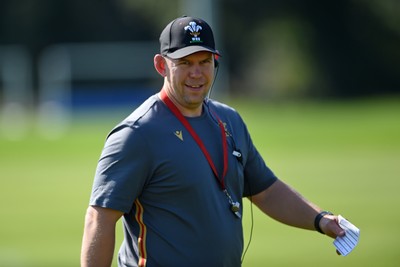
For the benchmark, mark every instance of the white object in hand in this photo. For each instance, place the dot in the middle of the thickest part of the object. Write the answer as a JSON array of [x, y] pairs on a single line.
[[345, 244]]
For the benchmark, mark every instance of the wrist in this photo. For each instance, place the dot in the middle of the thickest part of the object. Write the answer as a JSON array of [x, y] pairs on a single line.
[[318, 218]]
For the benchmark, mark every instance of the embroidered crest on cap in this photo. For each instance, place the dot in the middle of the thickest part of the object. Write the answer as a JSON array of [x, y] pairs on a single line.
[[194, 31]]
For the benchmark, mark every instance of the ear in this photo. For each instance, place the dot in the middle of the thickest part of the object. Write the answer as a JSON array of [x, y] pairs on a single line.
[[160, 65]]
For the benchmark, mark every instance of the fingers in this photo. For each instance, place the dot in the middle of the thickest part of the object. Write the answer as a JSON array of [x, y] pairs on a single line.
[[330, 226]]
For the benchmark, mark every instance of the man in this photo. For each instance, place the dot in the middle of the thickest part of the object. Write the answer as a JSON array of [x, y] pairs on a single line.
[[178, 167]]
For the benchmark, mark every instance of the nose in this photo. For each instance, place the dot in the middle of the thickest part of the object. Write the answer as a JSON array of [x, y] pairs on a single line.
[[195, 71]]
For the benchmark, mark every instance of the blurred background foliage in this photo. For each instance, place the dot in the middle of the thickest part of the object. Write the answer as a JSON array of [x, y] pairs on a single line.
[[271, 49]]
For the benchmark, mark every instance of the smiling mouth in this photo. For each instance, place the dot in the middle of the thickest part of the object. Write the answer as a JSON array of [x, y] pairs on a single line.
[[194, 86]]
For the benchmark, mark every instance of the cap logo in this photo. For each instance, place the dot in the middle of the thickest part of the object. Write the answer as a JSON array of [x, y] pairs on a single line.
[[194, 31]]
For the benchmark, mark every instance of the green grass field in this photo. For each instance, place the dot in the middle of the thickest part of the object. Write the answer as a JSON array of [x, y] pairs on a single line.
[[345, 156]]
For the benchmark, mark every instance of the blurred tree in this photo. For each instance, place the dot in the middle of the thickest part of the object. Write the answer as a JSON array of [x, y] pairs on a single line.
[[158, 13], [274, 48], [38, 24], [356, 49], [291, 48], [42, 22]]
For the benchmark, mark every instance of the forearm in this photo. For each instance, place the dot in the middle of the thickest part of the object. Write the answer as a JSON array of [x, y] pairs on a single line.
[[284, 204], [98, 241]]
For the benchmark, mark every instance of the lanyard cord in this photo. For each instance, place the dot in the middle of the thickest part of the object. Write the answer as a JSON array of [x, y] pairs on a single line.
[[184, 121]]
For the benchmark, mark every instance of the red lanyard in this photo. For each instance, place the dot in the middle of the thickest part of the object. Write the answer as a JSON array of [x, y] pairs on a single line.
[[184, 121]]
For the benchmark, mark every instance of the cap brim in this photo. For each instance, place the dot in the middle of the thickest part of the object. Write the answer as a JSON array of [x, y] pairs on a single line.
[[180, 53]]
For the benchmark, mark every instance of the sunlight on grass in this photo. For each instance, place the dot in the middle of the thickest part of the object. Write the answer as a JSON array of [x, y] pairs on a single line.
[[343, 156]]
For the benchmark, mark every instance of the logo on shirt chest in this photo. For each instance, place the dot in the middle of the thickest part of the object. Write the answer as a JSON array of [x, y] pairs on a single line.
[[179, 135]]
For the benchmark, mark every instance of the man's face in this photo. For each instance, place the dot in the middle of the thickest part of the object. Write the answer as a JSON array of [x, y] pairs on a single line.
[[189, 79]]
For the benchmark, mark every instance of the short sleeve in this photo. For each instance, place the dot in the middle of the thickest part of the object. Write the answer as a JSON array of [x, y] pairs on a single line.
[[258, 176], [122, 170]]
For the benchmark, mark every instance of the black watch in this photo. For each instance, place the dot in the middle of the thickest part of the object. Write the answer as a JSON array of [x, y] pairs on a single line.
[[318, 219]]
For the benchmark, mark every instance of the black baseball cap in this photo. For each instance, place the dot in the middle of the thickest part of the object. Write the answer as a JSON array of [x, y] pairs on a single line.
[[186, 35]]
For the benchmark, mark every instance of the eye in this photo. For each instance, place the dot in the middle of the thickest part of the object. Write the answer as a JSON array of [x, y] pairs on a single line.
[[183, 63], [207, 61]]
